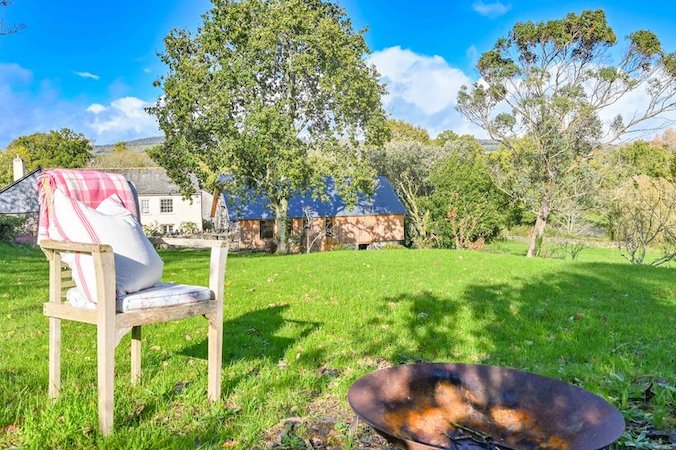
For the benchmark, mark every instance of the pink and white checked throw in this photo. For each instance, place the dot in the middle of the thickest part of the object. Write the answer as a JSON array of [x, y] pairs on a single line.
[[88, 186]]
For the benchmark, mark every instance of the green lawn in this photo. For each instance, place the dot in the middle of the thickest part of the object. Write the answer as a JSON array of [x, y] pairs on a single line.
[[300, 329]]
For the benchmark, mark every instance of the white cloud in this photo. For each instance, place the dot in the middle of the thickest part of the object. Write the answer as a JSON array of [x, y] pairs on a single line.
[[124, 118], [147, 70], [492, 10], [634, 104], [96, 108], [87, 75], [423, 90], [14, 73]]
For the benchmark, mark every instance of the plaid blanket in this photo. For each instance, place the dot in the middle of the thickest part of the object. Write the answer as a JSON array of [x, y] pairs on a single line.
[[88, 186]]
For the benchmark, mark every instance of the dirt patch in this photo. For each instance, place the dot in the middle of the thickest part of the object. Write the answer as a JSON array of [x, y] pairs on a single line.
[[329, 425], [324, 433]]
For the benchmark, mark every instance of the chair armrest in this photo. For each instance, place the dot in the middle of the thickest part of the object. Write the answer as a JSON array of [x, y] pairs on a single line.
[[75, 247], [190, 243]]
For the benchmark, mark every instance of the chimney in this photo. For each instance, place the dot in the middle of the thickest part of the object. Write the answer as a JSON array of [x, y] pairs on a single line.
[[19, 168]]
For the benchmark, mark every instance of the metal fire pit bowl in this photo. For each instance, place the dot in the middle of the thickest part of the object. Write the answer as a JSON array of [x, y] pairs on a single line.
[[470, 407]]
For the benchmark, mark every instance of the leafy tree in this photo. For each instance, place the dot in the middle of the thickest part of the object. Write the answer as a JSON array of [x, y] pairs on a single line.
[[444, 137], [407, 166], [639, 158], [63, 148], [547, 82], [120, 147], [402, 131], [276, 93], [644, 213], [464, 204], [122, 160], [667, 140]]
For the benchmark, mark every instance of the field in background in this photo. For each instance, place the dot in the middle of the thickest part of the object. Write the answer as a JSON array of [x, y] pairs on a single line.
[[300, 329]]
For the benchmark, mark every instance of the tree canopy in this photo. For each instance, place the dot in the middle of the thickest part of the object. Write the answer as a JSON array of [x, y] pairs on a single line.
[[63, 148], [276, 93], [402, 131], [464, 204], [548, 82]]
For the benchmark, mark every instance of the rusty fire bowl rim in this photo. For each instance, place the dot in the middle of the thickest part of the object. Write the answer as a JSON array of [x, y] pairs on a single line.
[[616, 422]]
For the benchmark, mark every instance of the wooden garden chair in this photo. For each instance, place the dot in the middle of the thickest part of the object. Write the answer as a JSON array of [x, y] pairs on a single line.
[[112, 325]]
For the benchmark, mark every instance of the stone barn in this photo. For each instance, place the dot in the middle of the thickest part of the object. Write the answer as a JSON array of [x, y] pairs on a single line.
[[20, 199], [316, 225]]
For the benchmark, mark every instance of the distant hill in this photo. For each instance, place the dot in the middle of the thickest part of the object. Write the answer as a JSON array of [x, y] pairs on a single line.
[[142, 145], [489, 144], [136, 146]]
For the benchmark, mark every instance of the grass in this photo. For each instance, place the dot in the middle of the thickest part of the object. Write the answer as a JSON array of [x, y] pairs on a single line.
[[595, 322]]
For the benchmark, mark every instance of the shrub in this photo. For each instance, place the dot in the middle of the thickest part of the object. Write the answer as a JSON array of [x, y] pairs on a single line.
[[643, 216], [188, 228], [152, 230], [10, 226], [465, 205]]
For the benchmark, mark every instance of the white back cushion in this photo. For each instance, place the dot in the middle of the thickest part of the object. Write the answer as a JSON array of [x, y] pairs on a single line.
[[137, 264]]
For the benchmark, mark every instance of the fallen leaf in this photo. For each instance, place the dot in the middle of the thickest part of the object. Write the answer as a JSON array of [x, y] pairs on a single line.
[[230, 444]]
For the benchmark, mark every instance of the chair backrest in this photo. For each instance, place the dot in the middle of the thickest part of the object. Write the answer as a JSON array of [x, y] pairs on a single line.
[[88, 186]]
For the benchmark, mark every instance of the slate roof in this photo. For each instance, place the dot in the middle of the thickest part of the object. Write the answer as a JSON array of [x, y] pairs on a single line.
[[383, 202], [21, 197], [150, 181]]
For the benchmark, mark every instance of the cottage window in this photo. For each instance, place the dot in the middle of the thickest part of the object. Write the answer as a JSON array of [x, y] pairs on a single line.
[[267, 229], [166, 205], [167, 229], [145, 206], [328, 226]]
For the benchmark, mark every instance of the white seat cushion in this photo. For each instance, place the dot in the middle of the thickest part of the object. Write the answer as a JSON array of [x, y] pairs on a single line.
[[158, 296]]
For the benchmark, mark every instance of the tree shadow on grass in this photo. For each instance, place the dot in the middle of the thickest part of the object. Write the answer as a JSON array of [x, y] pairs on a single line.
[[581, 315], [597, 325], [254, 336]]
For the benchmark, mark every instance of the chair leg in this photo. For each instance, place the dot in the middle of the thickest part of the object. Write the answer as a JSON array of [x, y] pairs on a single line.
[[106, 376], [215, 358], [135, 355], [54, 357]]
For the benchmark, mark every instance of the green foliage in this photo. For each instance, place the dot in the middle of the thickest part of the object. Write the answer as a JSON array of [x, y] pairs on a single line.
[[120, 147], [646, 42], [10, 226], [444, 137], [123, 159], [464, 204], [188, 228], [402, 131], [639, 158], [276, 93], [152, 229], [543, 87], [643, 214], [62, 149], [407, 166]]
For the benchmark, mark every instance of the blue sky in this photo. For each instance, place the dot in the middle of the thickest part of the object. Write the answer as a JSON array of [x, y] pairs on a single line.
[[89, 65]]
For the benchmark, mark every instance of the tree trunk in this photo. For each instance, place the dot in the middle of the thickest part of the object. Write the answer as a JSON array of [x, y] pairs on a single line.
[[281, 210], [537, 233]]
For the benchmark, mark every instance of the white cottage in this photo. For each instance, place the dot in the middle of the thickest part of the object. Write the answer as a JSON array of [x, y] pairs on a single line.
[[161, 202]]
